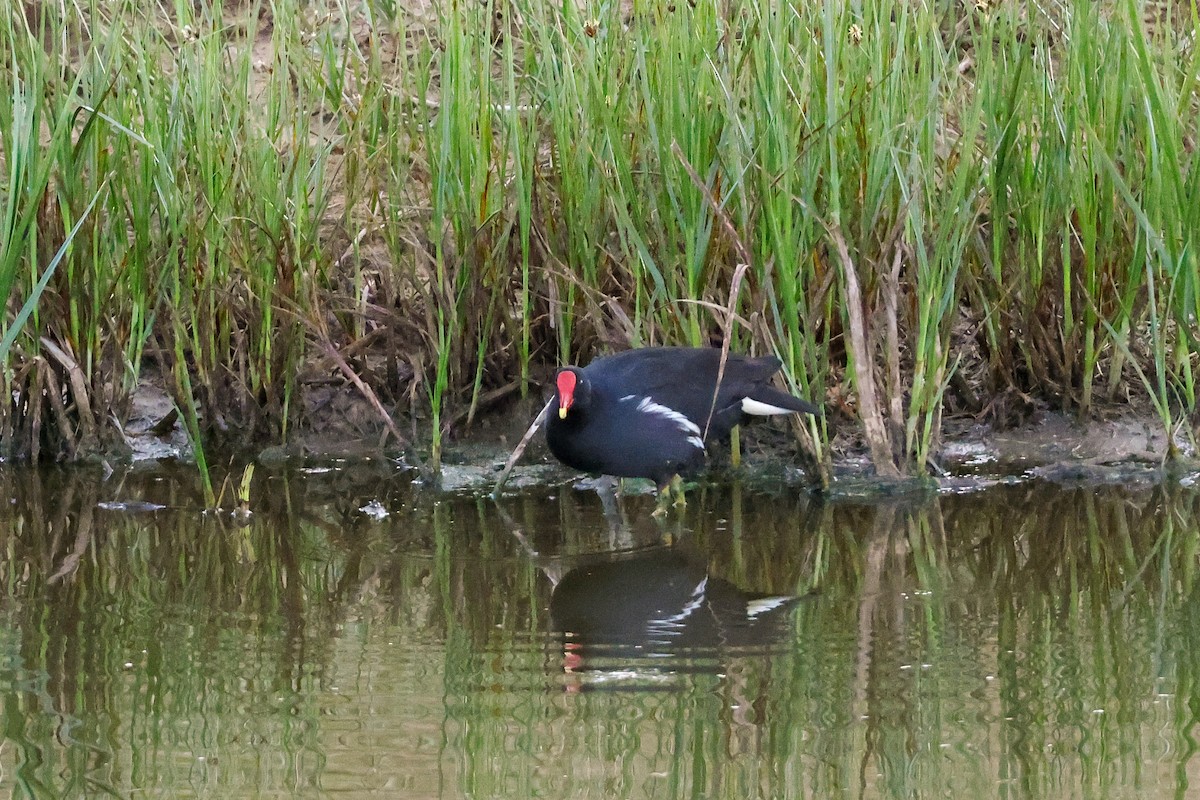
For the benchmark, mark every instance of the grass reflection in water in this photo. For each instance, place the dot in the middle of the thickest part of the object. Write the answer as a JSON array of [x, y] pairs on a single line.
[[1027, 640]]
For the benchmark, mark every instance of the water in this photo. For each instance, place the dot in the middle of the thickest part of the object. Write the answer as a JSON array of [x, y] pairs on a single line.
[[1022, 641]]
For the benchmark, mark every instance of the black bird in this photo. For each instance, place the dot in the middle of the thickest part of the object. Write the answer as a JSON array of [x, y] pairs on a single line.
[[648, 413]]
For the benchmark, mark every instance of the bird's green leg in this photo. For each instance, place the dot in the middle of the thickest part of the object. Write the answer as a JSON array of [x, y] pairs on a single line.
[[676, 488], [735, 449]]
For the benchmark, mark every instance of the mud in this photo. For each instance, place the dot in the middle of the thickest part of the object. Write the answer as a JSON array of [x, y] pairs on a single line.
[[1126, 447]]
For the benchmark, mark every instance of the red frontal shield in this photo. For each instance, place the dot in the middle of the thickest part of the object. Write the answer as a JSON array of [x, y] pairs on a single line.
[[566, 383]]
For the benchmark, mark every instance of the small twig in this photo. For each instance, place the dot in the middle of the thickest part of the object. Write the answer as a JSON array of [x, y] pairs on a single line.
[[486, 399], [726, 335], [718, 209], [891, 295], [79, 392], [322, 336], [723, 310], [520, 448], [366, 391], [54, 395]]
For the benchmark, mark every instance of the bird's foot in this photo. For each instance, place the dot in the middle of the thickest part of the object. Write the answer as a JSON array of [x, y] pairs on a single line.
[[664, 499]]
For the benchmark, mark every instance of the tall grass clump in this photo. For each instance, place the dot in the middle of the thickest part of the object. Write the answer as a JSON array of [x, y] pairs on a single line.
[[62, 372], [212, 190], [1093, 194], [984, 209]]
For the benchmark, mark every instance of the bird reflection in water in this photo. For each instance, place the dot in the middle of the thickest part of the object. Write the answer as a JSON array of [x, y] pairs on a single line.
[[643, 620]]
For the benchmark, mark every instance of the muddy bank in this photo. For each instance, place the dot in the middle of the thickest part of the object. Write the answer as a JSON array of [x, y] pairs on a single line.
[[1124, 446]]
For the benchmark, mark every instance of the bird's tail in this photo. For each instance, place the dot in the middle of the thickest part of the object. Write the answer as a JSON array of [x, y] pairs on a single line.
[[768, 401]]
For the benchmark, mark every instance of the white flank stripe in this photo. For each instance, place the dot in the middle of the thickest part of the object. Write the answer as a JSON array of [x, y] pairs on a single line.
[[694, 603], [650, 407], [760, 409], [696, 441], [762, 605]]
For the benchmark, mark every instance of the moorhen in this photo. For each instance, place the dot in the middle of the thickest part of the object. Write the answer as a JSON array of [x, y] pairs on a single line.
[[648, 413]]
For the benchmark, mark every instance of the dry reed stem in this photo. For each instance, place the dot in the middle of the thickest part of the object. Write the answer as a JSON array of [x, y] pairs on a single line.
[[864, 374], [79, 393], [735, 286]]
